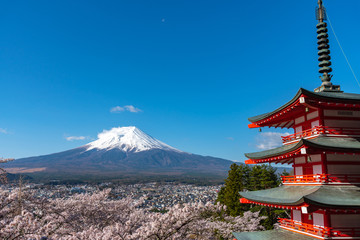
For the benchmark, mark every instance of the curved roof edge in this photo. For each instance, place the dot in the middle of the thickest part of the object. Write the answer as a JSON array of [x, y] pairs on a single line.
[[265, 115], [339, 96], [275, 151], [326, 196], [278, 234], [332, 143]]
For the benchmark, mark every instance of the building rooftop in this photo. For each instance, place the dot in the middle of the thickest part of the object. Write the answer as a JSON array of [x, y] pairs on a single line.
[[325, 195], [272, 234], [328, 143], [325, 96]]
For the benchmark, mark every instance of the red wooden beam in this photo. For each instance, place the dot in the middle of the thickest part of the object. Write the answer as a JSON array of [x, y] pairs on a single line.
[[253, 125], [250, 161], [276, 115], [246, 201], [283, 157]]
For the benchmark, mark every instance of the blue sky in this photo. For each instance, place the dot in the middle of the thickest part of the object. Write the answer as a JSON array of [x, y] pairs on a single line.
[[193, 71]]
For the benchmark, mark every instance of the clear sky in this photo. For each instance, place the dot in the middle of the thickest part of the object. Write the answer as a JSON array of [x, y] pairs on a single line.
[[189, 71]]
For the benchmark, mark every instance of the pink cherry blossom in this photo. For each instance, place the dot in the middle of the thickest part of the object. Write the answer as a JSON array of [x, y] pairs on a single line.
[[95, 216]]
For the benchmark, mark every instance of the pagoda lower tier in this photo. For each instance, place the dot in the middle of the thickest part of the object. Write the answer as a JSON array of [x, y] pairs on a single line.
[[317, 212], [323, 195], [278, 234], [296, 197]]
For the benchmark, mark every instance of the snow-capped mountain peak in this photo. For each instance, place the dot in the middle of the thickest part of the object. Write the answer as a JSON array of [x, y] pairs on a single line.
[[128, 139]]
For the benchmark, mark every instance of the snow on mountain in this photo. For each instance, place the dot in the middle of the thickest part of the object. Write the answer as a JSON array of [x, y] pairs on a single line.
[[127, 139]]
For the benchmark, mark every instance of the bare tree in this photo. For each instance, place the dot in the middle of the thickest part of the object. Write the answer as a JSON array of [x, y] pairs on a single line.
[[3, 178]]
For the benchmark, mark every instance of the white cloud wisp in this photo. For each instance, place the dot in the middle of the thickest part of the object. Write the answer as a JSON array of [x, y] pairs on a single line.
[[269, 140], [75, 138], [4, 131], [127, 108]]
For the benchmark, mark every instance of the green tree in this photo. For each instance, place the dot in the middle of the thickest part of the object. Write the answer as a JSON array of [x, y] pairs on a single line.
[[287, 173], [236, 182], [245, 178], [262, 177]]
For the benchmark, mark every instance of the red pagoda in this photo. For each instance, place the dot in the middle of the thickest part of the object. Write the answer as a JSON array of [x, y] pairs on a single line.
[[324, 193]]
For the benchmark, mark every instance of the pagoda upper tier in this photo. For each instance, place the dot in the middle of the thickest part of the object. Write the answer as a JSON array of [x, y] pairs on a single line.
[[305, 101], [304, 147], [323, 192]]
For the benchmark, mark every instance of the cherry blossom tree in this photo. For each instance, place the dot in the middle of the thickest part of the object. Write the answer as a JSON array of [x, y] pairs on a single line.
[[95, 216]]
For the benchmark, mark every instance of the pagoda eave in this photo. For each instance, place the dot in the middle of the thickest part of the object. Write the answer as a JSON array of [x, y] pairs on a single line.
[[295, 197], [305, 100], [308, 204], [278, 234], [286, 153], [281, 206]]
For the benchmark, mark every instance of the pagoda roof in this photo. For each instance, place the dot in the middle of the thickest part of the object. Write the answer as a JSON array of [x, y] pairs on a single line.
[[329, 143], [278, 234], [325, 96], [326, 196]]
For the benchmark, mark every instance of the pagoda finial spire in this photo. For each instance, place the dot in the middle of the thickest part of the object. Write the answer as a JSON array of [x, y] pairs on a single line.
[[323, 47], [321, 11]]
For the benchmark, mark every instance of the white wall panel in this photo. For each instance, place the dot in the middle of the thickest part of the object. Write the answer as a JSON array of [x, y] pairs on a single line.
[[298, 171], [315, 123], [312, 115], [317, 169], [300, 160], [299, 120], [297, 215], [315, 158], [318, 219], [298, 129]]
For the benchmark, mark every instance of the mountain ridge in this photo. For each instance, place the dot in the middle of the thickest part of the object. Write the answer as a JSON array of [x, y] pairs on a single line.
[[121, 151]]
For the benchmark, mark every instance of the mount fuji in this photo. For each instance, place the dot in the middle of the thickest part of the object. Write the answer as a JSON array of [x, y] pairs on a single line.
[[127, 139], [119, 152]]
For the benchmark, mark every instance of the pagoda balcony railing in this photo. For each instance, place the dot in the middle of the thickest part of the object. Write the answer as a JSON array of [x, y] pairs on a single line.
[[315, 131], [324, 232], [322, 179]]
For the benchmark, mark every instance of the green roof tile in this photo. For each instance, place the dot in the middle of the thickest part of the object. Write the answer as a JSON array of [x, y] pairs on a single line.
[[279, 234], [325, 195], [330, 96], [286, 195], [352, 144], [274, 152], [340, 196], [332, 143]]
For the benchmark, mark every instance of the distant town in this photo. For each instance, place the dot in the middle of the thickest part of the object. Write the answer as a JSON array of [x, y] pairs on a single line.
[[157, 196]]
